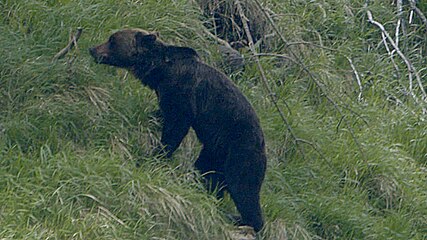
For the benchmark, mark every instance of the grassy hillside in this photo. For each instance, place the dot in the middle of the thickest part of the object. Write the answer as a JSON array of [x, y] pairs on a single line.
[[351, 164]]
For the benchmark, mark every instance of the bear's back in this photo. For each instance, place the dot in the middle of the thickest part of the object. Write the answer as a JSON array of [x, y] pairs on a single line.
[[221, 111]]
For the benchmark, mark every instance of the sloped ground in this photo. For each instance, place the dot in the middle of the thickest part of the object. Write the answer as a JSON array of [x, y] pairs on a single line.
[[350, 163]]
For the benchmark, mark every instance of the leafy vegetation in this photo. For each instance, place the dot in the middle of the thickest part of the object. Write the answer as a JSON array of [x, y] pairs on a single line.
[[351, 164]]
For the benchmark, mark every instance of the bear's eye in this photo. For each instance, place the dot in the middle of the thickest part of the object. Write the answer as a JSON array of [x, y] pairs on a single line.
[[112, 45], [111, 42]]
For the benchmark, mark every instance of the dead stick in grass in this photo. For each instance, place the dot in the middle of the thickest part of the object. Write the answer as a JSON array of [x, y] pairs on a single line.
[[271, 94], [418, 12], [219, 40], [73, 42], [356, 75], [391, 54], [315, 80], [304, 67], [400, 22], [411, 69]]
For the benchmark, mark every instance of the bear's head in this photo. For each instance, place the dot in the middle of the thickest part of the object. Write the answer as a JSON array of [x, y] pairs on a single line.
[[127, 47]]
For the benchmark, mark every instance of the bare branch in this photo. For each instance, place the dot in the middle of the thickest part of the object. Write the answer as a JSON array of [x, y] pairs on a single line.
[[219, 40], [390, 53], [411, 69], [399, 20], [313, 44], [262, 72], [73, 42], [418, 12], [276, 56], [313, 78], [356, 74]]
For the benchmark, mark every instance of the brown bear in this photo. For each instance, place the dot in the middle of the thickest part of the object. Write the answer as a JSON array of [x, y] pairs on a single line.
[[193, 94]]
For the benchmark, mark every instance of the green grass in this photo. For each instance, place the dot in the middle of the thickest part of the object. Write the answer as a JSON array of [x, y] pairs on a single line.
[[71, 130]]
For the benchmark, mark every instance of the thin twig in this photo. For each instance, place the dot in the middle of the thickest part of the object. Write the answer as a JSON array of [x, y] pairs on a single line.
[[418, 12], [299, 61], [313, 44], [399, 20], [411, 16], [356, 74], [262, 72], [73, 42], [411, 69], [313, 78], [219, 40], [390, 53], [316, 149]]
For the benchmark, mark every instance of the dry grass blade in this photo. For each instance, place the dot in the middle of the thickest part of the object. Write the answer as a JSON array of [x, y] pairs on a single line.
[[105, 212], [99, 97]]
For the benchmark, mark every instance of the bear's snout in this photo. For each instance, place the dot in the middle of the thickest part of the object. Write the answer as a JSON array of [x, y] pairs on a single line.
[[95, 54], [98, 55], [92, 51]]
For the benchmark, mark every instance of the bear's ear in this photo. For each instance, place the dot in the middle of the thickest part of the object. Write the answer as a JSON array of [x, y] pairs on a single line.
[[157, 34], [142, 39]]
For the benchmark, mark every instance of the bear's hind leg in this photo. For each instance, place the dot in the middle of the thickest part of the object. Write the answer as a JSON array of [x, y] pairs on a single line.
[[212, 172], [244, 175], [248, 204]]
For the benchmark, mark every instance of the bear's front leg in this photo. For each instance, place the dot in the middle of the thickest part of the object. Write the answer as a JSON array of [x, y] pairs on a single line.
[[177, 116], [174, 130]]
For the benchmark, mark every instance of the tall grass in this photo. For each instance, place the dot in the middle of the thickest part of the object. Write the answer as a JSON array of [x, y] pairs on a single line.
[[71, 131]]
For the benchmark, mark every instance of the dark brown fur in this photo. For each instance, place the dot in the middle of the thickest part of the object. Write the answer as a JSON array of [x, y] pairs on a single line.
[[193, 94]]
